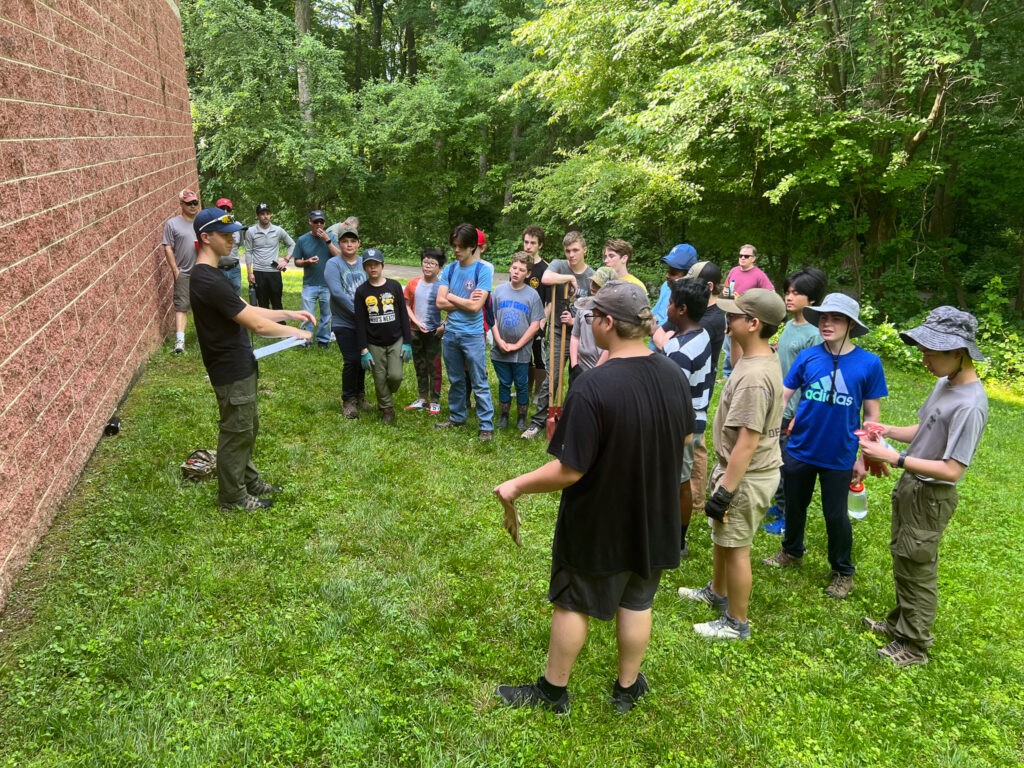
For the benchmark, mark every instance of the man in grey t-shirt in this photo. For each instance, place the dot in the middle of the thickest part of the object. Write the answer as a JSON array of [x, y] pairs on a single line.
[[179, 243]]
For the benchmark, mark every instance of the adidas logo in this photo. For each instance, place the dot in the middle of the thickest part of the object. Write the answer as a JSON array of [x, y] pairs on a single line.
[[821, 391]]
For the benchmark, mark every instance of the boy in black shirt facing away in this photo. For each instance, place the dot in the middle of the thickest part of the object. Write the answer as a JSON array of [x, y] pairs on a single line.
[[222, 320]]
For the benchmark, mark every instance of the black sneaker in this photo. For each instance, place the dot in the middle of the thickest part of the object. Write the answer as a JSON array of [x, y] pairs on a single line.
[[532, 696], [248, 504], [261, 487], [623, 700]]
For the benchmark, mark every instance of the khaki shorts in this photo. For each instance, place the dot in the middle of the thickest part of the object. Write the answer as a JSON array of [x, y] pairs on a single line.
[[182, 303], [749, 503]]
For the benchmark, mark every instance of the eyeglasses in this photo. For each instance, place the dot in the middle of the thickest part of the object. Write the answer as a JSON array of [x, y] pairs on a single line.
[[318, 221], [192, 202], [225, 219], [429, 263], [730, 316], [593, 315]]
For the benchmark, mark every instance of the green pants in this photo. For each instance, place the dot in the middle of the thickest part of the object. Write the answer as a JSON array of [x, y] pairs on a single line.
[[239, 424], [920, 513], [387, 372]]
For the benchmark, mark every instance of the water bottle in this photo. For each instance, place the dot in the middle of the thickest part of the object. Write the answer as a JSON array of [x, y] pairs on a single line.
[[857, 504]]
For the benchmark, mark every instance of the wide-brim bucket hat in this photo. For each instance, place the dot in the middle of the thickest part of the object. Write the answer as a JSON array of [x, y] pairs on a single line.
[[945, 329], [843, 305]]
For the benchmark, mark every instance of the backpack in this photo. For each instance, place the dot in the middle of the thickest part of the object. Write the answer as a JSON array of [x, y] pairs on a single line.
[[488, 306], [200, 465]]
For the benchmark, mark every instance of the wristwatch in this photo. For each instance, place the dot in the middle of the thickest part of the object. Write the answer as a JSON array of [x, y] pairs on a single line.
[[901, 459]]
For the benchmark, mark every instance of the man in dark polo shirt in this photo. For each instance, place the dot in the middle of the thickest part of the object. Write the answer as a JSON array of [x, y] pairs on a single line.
[[222, 320]]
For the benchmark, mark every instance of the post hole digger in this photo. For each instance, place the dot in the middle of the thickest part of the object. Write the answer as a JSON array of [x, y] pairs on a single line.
[[556, 395]]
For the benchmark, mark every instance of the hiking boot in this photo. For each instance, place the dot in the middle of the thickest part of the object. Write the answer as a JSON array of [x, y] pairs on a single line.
[[773, 513], [840, 586], [435, 409], [179, 347], [724, 628], [503, 415], [364, 404], [903, 654], [260, 487], [775, 527], [387, 416], [416, 405], [684, 551], [350, 409], [705, 595], [531, 432], [521, 419], [878, 627], [248, 504], [782, 559], [532, 696], [624, 699], [485, 435], [448, 424]]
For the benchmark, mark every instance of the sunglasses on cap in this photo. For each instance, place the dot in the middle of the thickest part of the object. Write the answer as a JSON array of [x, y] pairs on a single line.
[[225, 219]]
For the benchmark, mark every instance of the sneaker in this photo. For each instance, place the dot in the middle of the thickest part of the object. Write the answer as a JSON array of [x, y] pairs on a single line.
[[782, 559], [623, 700], [485, 435], [350, 409], [840, 586], [435, 409], [260, 487], [903, 654], [774, 513], [724, 628], [416, 405], [532, 696], [705, 595], [179, 347], [877, 627], [775, 527], [248, 504], [323, 345], [448, 424], [387, 416], [531, 432]]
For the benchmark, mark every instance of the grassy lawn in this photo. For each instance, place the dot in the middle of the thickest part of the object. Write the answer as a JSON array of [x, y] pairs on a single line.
[[366, 618]]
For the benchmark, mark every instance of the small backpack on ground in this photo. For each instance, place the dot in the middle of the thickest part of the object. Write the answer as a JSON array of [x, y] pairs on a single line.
[[200, 465]]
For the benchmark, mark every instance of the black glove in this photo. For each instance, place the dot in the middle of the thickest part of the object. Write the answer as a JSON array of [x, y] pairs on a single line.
[[717, 507]]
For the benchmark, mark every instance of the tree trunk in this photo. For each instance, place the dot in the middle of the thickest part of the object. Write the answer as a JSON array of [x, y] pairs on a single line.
[[1019, 308], [359, 64], [376, 49], [483, 163], [411, 65], [303, 21]]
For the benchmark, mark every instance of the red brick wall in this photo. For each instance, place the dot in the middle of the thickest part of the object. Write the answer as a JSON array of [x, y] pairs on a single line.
[[95, 142]]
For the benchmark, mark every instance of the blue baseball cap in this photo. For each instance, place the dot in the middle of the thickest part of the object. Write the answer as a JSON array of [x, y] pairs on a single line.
[[683, 256], [373, 254], [215, 220]]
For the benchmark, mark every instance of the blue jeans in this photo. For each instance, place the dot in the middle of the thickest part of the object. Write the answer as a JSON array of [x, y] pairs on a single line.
[[235, 276], [507, 373], [835, 489], [311, 296], [459, 353]]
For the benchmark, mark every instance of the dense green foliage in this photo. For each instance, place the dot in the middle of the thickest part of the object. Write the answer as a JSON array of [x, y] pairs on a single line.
[[366, 619], [879, 141]]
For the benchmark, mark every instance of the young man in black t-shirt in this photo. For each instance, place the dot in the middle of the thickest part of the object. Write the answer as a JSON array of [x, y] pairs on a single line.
[[222, 320], [533, 242], [618, 451]]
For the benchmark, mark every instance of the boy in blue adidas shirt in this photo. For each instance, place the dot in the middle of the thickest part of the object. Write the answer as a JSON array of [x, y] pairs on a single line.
[[464, 288], [842, 385]]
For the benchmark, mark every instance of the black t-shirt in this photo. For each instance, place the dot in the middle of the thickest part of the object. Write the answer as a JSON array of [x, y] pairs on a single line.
[[714, 323], [536, 273], [227, 353], [623, 425], [381, 318]]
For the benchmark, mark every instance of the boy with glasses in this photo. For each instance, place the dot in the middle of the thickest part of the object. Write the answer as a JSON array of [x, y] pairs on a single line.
[[232, 264], [179, 244], [839, 382]]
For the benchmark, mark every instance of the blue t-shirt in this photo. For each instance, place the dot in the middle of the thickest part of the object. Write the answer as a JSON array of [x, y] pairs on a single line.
[[306, 247], [829, 412], [462, 281]]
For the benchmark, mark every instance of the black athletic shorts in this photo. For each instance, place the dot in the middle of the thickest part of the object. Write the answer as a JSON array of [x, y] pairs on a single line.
[[538, 353], [601, 596]]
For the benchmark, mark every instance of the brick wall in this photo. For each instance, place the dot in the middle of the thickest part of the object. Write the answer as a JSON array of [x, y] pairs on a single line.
[[95, 142]]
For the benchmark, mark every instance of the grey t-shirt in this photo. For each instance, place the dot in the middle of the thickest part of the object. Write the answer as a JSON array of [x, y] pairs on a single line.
[[587, 353], [179, 234], [561, 267], [514, 311], [951, 422]]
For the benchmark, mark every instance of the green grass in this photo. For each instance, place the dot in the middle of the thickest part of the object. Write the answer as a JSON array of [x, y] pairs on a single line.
[[366, 618]]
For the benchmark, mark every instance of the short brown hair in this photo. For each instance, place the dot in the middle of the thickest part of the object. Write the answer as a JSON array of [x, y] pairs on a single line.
[[572, 236], [536, 232], [620, 247], [522, 257]]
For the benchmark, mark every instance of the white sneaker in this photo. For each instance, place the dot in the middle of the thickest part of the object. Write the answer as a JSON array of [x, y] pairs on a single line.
[[435, 409], [531, 432], [723, 628], [416, 405], [179, 347]]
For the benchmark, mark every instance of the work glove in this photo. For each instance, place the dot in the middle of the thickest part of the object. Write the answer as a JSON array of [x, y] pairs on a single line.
[[717, 507], [366, 360], [406, 353]]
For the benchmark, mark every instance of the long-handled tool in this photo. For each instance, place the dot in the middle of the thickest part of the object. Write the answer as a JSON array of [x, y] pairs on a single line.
[[555, 399]]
